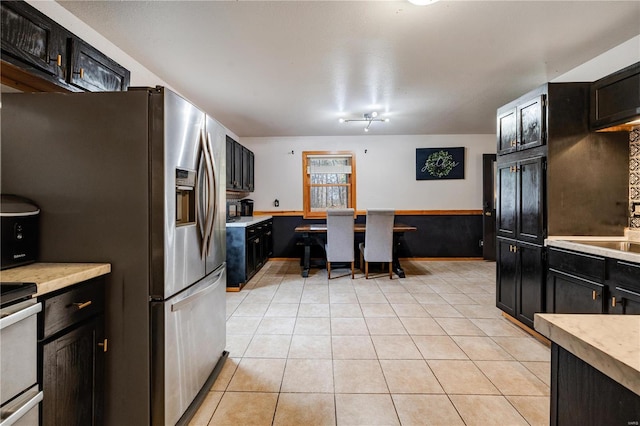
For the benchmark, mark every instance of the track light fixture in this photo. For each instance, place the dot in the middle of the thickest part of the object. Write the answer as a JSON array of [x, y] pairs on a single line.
[[369, 117]]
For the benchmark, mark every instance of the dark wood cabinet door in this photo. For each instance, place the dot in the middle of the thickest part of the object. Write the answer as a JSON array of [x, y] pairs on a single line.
[[246, 169], [230, 163], [615, 99], [507, 200], [530, 294], [237, 166], [624, 301], [531, 211], [507, 132], [72, 376], [33, 39], [531, 123], [506, 275], [251, 173], [93, 71], [573, 295]]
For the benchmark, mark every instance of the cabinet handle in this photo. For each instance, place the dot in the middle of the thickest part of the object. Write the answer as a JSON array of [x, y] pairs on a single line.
[[58, 60], [82, 305], [81, 73], [613, 302], [513, 143], [104, 345], [594, 295], [257, 241]]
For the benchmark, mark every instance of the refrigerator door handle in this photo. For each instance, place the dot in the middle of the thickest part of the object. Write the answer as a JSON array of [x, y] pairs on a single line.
[[212, 190], [192, 297], [200, 207], [208, 213]]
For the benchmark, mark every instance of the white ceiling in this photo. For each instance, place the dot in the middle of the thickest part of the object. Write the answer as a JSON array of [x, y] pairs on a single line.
[[292, 68]]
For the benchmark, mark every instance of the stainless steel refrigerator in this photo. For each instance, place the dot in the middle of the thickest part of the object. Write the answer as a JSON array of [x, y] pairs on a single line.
[[135, 179]]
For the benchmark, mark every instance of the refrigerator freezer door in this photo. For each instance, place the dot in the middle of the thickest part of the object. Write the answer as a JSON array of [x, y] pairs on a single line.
[[188, 338], [176, 131], [216, 139]]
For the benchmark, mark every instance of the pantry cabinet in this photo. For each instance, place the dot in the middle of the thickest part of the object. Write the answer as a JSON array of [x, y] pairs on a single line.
[[521, 125]]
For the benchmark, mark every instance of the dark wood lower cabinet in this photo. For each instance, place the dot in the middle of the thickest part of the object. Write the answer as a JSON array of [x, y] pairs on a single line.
[[248, 249], [582, 395], [573, 295], [73, 376], [71, 351]]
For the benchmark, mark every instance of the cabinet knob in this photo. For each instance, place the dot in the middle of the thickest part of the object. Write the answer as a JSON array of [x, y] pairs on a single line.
[[82, 305]]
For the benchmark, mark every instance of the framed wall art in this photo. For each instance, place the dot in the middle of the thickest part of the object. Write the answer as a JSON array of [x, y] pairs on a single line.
[[439, 163]]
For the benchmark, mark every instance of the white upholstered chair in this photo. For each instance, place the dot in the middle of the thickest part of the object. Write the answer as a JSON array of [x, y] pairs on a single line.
[[339, 247], [378, 239]]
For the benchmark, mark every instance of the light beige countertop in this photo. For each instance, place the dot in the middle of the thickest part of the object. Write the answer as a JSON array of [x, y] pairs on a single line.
[[580, 244], [54, 276], [245, 221], [609, 343]]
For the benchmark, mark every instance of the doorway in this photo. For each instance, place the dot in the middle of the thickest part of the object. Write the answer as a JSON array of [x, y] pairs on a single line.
[[489, 206]]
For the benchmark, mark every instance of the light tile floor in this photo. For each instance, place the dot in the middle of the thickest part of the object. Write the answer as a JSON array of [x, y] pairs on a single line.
[[429, 349]]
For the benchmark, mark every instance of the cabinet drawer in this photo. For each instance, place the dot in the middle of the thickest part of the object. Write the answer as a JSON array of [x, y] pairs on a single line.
[[582, 265], [70, 306], [625, 273]]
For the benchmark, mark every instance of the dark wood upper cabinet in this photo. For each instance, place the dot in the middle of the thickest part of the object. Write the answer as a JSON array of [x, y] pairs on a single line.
[[240, 167], [95, 72], [40, 55], [521, 124], [507, 132], [615, 99]]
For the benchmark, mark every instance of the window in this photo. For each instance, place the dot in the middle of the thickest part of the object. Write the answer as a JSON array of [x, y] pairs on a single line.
[[329, 181]]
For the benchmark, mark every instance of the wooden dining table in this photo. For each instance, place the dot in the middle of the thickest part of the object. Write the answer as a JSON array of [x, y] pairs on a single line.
[[315, 234]]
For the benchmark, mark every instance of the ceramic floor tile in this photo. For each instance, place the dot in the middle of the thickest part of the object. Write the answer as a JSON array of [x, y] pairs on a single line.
[[459, 327], [524, 348], [442, 311], [237, 344], [457, 298], [478, 311], [295, 409], [438, 347], [287, 296], [234, 410], [346, 310], [483, 298], [400, 298], [395, 347], [314, 296], [358, 376], [429, 299], [422, 327], [370, 410], [349, 327], [268, 346], [251, 309], [444, 288], [483, 410], [382, 326], [377, 310], [410, 376], [541, 369], [462, 377], [421, 410], [228, 370], [308, 375], [310, 346], [206, 410], [314, 310], [389, 287], [415, 288], [410, 310], [498, 327], [313, 326], [343, 297], [353, 347], [512, 378], [535, 409], [276, 325], [243, 325], [371, 297], [282, 310], [258, 375], [481, 348]]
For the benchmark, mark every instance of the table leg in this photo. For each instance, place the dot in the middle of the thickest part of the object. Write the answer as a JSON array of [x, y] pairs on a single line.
[[396, 262], [306, 259]]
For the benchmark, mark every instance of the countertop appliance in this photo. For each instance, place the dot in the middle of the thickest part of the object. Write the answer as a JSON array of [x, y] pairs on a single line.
[[246, 207], [19, 221], [135, 179], [233, 210], [19, 393]]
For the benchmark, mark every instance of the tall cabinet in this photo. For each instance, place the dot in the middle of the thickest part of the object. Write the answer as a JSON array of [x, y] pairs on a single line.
[[554, 178]]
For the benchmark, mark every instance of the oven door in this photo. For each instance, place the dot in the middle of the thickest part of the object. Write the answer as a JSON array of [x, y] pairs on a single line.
[[23, 410]]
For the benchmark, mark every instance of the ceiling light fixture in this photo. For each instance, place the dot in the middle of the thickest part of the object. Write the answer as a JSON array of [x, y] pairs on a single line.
[[422, 2], [369, 117]]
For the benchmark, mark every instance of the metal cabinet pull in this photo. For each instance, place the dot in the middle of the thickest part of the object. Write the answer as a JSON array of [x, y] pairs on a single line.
[[613, 302], [594, 295], [82, 305], [58, 60], [104, 345], [81, 73]]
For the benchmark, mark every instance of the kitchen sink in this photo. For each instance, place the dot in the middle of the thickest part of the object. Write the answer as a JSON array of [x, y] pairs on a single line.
[[628, 246]]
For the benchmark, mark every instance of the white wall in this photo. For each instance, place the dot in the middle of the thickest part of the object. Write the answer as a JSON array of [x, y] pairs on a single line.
[[385, 173]]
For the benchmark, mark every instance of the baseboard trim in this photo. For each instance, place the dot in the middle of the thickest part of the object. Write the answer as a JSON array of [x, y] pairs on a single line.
[[364, 212]]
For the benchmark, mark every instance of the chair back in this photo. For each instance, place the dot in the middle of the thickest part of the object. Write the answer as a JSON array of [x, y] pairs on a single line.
[[378, 237], [340, 243]]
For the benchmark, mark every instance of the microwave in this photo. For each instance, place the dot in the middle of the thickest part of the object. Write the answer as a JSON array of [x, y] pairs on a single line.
[[233, 210]]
